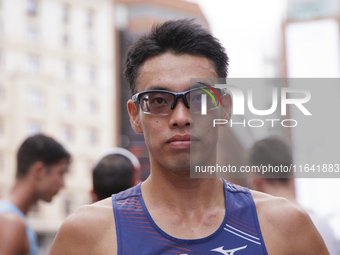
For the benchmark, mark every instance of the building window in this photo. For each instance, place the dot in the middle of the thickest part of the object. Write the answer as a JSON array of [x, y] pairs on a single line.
[[92, 106], [1, 128], [90, 44], [32, 7], [90, 18], [67, 134], [1, 28], [1, 163], [34, 128], [33, 63], [1, 58], [32, 34], [66, 40], [35, 98], [67, 104], [67, 70], [2, 94], [66, 13], [92, 73], [93, 137]]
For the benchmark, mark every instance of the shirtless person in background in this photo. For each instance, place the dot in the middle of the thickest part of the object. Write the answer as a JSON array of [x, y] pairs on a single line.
[[41, 165]]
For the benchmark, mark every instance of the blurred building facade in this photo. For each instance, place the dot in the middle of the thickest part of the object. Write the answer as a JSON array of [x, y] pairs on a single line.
[[311, 37], [57, 77]]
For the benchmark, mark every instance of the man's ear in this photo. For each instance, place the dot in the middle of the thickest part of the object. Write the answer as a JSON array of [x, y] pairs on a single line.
[[227, 105], [38, 170], [134, 119]]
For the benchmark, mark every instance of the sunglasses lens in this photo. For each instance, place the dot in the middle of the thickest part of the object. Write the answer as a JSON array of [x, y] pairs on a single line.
[[156, 102], [195, 99]]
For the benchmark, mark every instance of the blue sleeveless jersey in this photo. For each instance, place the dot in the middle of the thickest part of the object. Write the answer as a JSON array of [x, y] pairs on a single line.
[[137, 233], [9, 207]]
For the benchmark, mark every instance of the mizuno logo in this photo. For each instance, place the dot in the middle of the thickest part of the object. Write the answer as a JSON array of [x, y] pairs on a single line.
[[228, 252]]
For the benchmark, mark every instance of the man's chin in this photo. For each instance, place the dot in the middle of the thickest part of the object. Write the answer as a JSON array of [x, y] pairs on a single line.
[[49, 199]]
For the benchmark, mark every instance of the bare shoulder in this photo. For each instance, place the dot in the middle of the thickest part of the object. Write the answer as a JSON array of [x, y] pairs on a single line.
[[90, 230], [13, 220], [286, 227], [13, 238]]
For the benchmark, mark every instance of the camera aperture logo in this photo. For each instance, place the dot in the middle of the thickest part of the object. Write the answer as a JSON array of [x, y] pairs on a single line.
[[238, 106], [204, 97]]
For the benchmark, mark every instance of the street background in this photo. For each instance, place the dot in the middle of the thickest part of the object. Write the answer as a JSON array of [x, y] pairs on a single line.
[[61, 74]]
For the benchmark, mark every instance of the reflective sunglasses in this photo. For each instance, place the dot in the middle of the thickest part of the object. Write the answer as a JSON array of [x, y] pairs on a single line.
[[163, 102]]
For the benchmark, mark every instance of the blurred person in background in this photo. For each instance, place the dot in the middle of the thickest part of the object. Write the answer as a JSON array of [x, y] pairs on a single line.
[[41, 165], [114, 172], [274, 151]]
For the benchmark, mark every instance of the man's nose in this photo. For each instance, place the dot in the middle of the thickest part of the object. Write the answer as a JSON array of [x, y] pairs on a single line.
[[180, 116]]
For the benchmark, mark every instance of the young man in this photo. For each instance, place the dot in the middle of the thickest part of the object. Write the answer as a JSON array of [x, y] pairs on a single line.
[[171, 213], [114, 172], [41, 164], [275, 151]]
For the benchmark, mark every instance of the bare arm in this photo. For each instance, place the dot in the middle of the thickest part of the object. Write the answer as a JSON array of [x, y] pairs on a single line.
[[91, 230], [303, 235], [287, 228], [13, 238]]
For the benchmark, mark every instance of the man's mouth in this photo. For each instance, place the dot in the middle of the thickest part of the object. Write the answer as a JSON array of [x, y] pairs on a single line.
[[181, 141]]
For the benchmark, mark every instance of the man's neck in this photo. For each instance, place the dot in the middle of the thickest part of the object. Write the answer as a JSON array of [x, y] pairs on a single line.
[[178, 190], [22, 195], [183, 207]]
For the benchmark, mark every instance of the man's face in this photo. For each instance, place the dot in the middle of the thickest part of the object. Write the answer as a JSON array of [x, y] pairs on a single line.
[[53, 180], [170, 138]]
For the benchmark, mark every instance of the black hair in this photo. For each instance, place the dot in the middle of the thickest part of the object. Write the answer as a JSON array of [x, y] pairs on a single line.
[[182, 36], [113, 174], [39, 148], [274, 151]]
